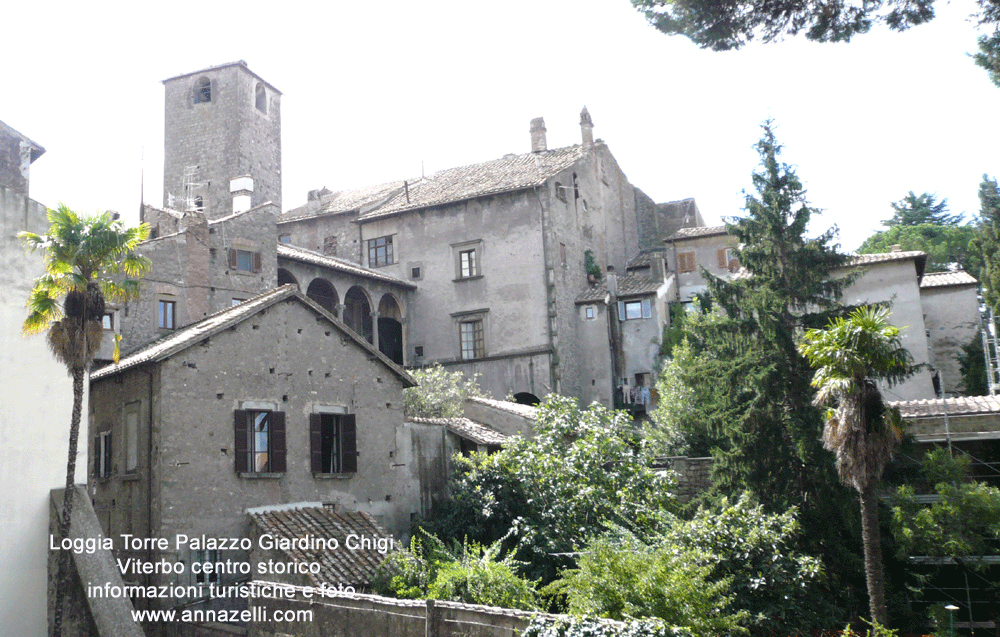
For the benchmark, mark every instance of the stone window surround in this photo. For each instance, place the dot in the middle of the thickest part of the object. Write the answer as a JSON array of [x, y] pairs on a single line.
[[336, 410], [373, 246], [166, 320], [475, 246], [261, 406]]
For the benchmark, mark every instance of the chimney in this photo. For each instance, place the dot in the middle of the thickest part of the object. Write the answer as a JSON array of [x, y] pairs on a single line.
[[586, 127], [612, 282], [241, 188], [538, 135], [658, 269], [896, 248]]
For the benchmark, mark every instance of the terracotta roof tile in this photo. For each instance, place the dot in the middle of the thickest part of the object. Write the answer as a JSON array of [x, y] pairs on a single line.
[[296, 253], [507, 174], [469, 429], [694, 233], [947, 279], [629, 285], [342, 566], [882, 257], [951, 406]]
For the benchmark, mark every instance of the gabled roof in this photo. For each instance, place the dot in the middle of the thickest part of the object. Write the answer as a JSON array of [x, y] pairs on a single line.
[[313, 521], [860, 260], [302, 255], [469, 429], [948, 279], [630, 285], [960, 406], [507, 174], [190, 335], [697, 233]]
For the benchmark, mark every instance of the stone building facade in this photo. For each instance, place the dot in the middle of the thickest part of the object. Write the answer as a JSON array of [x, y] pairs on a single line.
[[951, 317], [271, 401]]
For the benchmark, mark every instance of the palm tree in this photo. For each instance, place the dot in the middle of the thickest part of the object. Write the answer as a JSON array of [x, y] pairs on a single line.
[[87, 260], [850, 356]]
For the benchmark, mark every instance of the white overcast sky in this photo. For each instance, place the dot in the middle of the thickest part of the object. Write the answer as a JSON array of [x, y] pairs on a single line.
[[371, 90]]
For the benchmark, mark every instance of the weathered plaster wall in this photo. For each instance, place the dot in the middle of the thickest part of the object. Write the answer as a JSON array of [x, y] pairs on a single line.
[[313, 233], [37, 398], [951, 317], [896, 282], [706, 251]]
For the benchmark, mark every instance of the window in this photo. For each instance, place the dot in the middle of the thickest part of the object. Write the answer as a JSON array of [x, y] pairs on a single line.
[[206, 556], [108, 321], [470, 335], [203, 91], [728, 260], [261, 98], [415, 273], [284, 238], [468, 257], [560, 192], [562, 254], [380, 252], [168, 315], [260, 441], [467, 265], [590, 312], [132, 437], [244, 260], [631, 310], [686, 261], [102, 454], [236, 302], [333, 443], [418, 351]]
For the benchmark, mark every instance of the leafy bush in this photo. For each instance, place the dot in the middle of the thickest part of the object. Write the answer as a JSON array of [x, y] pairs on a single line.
[[588, 627], [439, 393]]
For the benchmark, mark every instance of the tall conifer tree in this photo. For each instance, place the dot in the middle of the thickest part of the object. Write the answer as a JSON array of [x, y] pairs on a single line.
[[987, 241]]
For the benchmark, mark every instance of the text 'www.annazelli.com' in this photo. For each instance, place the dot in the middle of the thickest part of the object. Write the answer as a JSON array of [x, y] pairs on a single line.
[[255, 614]]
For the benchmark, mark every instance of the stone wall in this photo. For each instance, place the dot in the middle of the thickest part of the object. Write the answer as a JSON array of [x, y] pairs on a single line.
[[951, 317]]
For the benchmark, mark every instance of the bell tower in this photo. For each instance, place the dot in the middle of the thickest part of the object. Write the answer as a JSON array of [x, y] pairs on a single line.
[[222, 141]]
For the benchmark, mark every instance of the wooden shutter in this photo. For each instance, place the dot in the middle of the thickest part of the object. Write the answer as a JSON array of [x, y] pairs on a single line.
[[621, 310], [349, 443], [315, 443], [242, 450], [723, 261], [277, 442], [256, 262], [647, 310], [107, 454], [686, 262], [97, 456], [232, 259]]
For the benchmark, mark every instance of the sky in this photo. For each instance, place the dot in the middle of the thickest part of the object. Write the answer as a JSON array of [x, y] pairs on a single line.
[[374, 92]]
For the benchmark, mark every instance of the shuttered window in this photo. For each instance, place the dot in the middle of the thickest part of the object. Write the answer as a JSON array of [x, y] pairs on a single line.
[[333, 443], [260, 441], [244, 260], [686, 262], [102, 455]]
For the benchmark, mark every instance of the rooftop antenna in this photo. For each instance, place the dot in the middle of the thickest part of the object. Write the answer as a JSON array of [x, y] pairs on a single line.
[[191, 184]]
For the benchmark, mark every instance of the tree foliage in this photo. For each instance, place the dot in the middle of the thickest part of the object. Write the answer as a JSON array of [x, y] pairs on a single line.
[[439, 393], [972, 364], [987, 241], [465, 572], [914, 210], [944, 245], [542, 626], [584, 469]]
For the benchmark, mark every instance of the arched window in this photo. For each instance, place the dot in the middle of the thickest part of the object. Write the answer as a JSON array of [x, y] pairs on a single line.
[[203, 91], [261, 98]]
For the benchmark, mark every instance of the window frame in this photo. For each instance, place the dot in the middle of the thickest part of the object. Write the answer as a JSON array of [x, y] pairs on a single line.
[[383, 243], [687, 261], [467, 269], [253, 262], [247, 445], [475, 336], [109, 317], [323, 460], [166, 321], [103, 455], [645, 309]]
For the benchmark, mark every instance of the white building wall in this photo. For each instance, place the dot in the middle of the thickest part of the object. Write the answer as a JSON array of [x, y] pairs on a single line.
[[37, 396], [951, 317]]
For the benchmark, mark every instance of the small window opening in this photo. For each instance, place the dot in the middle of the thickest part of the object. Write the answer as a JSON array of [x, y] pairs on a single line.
[[261, 98], [203, 91]]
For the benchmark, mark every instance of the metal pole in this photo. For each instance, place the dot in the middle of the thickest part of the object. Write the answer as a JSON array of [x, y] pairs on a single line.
[[951, 608]]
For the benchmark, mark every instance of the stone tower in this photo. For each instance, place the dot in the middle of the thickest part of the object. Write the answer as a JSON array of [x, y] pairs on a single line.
[[222, 126]]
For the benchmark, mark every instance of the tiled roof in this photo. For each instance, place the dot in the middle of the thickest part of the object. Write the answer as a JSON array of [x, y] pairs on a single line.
[[952, 406], [525, 411], [469, 429], [296, 253], [947, 279], [644, 259], [694, 233], [342, 566], [194, 333], [628, 286], [507, 174], [882, 257]]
